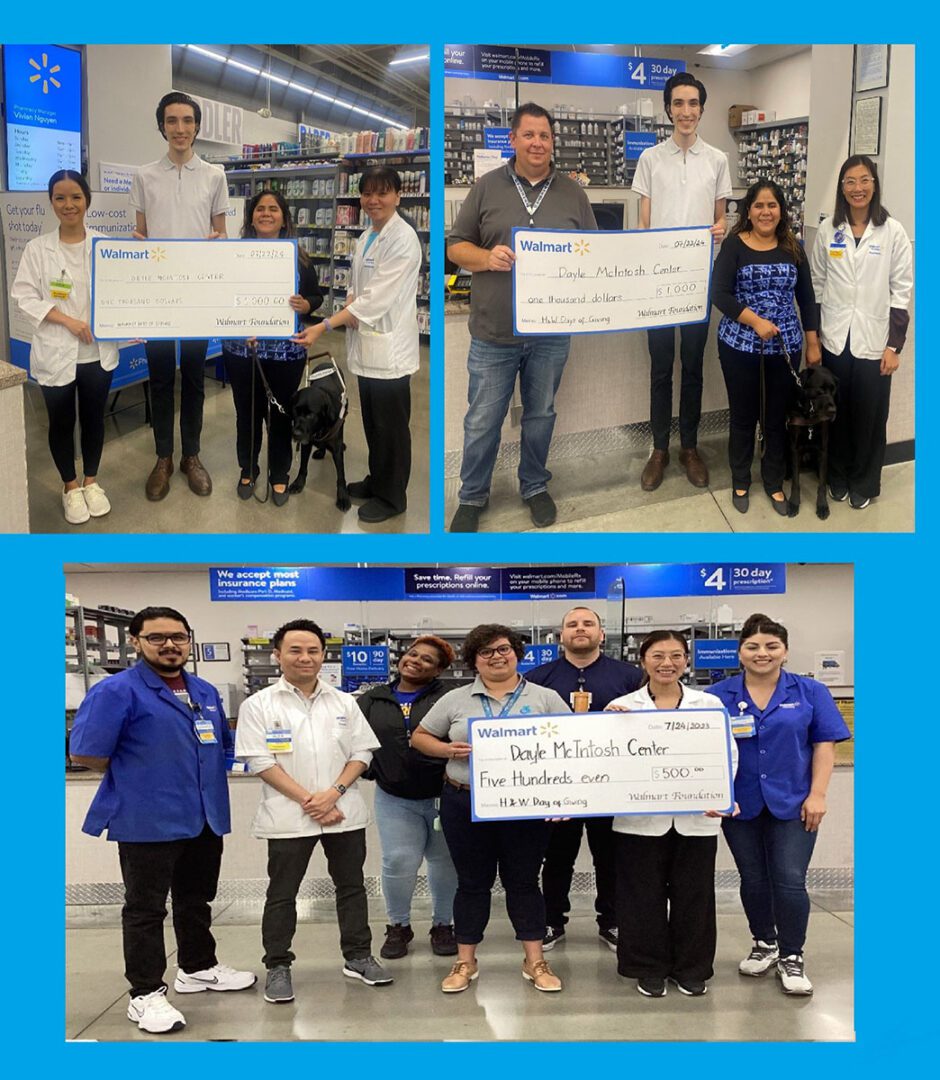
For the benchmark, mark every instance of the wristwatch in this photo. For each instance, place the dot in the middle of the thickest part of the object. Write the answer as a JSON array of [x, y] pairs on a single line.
[[341, 788]]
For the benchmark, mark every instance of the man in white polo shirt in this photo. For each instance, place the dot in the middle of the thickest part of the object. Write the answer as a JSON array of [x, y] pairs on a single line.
[[681, 182], [179, 197]]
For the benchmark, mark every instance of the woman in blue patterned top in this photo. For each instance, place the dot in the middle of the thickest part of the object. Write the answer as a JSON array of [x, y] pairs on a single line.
[[760, 270], [268, 217]]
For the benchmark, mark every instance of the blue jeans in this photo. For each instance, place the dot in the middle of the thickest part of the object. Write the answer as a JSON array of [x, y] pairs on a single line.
[[772, 857], [539, 363], [407, 834]]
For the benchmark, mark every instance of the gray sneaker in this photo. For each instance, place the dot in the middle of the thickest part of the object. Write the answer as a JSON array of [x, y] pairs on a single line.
[[368, 969], [277, 987]]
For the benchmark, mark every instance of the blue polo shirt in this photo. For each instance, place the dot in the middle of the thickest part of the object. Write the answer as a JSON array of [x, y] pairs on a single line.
[[604, 680], [775, 765], [162, 782]]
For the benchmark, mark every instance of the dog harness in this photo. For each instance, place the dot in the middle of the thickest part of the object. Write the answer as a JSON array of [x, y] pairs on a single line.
[[325, 436]]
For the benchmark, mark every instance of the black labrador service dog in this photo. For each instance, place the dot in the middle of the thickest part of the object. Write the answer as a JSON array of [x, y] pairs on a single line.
[[808, 420], [318, 415]]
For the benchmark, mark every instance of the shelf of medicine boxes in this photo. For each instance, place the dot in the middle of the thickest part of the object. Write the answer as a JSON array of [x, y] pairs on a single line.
[[313, 183], [463, 133], [259, 669], [777, 149]]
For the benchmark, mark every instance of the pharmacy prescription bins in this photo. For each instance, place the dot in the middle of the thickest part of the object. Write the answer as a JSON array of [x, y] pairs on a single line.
[[857, 286], [384, 282]]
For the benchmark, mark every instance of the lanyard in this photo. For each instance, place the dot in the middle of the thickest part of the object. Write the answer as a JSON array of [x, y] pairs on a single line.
[[530, 207], [681, 696], [507, 704]]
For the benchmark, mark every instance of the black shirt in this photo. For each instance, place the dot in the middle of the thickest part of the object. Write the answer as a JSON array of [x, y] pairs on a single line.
[[604, 679]]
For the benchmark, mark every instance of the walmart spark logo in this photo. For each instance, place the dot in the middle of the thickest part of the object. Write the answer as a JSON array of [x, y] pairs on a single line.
[[581, 247], [548, 730], [158, 254], [46, 73]]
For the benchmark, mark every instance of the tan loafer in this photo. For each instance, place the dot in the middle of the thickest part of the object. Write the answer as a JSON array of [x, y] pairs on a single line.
[[653, 471], [695, 469], [541, 976], [461, 975], [158, 482], [200, 483]]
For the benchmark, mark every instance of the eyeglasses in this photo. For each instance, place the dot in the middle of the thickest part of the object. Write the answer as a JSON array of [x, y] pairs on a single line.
[[851, 184], [503, 650], [162, 639]]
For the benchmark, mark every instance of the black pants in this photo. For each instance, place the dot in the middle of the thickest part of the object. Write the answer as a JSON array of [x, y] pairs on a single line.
[[666, 905], [287, 864], [480, 849], [161, 363], [188, 868], [386, 413], [90, 387], [662, 346], [564, 842], [858, 437], [742, 379], [283, 377]]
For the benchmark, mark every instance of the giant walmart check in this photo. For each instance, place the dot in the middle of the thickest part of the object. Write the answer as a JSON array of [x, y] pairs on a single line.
[[193, 288], [602, 282], [575, 765]]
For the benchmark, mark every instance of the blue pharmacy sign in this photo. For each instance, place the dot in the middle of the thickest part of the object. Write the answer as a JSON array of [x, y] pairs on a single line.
[[536, 655], [715, 653], [365, 661], [650, 72], [704, 579], [635, 142], [497, 138], [452, 582]]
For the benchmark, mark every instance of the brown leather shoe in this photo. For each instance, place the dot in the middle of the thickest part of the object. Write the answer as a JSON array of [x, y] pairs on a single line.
[[653, 472], [200, 482], [695, 469], [541, 976], [158, 482], [461, 975]]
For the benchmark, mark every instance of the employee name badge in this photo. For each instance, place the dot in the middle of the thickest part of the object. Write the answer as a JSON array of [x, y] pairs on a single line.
[[205, 732], [279, 740], [742, 727], [837, 247], [60, 287]]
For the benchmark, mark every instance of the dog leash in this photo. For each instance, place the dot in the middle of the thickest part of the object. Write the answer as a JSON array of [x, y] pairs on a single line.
[[763, 389]]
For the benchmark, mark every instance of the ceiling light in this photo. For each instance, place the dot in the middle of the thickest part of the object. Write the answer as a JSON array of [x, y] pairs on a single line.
[[408, 59], [724, 50]]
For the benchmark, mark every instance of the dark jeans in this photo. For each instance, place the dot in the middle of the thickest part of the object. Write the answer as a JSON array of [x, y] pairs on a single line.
[[90, 387], [564, 842], [188, 868], [662, 346], [283, 377], [772, 857], [479, 849], [859, 434], [161, 363], [742, 379], [287, 864], [386, 413], [666, 906]]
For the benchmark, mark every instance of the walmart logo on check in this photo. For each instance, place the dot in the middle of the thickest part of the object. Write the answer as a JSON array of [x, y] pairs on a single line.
[[569, 247]]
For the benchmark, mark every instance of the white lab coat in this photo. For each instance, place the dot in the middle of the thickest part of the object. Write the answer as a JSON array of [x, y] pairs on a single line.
[[384, 282], [324, 740], [660, 824], [857, 286], [53, 356]]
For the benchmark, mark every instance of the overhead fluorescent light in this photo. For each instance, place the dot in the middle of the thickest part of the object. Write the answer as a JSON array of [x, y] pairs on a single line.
[[724, 50], [408, 59]]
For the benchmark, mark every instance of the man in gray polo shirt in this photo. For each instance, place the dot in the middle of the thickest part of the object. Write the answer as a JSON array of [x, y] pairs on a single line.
[[682, 181], [526, 192], [179, 197]]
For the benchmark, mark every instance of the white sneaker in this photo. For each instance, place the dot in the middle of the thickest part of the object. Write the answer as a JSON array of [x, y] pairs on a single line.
[[75, 507], [153, 1013], [792, 977], [220, 977], [96, 500], [760, 959]]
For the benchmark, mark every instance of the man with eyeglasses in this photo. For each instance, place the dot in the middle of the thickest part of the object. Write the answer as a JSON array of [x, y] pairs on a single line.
[[160, 736]]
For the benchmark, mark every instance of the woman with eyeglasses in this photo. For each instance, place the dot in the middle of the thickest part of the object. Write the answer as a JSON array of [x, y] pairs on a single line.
[[863, 274], [481, 849]]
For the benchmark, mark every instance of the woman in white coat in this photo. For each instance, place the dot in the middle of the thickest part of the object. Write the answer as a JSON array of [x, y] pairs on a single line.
[[53, 291], [666, 864], [863, 272], [381, 317]]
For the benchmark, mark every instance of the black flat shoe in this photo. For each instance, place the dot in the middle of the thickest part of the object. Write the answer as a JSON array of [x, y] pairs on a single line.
[[740, 502], [279, 498], [245, 491], [376, 510], [782, 507]]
